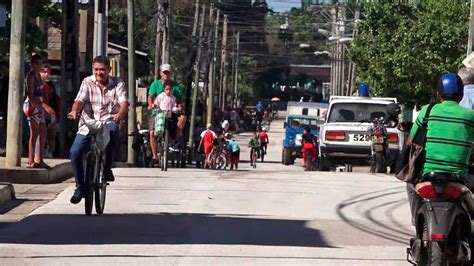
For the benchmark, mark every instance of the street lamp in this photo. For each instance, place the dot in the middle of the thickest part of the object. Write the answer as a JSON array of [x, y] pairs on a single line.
[[305, 45], [345, 40], [322, 53]]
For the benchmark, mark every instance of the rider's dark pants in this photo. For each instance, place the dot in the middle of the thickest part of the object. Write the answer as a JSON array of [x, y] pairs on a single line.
[[82, 145]]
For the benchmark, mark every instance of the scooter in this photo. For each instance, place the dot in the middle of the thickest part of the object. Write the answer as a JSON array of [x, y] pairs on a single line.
[[441, 209]]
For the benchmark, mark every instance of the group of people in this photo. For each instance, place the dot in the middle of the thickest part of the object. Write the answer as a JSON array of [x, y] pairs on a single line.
[[41, 108]]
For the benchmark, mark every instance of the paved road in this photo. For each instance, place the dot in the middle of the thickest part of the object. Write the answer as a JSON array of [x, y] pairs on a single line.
[[274, 214]]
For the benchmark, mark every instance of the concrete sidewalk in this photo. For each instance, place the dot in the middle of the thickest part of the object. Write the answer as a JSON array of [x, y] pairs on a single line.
[[60, 170]]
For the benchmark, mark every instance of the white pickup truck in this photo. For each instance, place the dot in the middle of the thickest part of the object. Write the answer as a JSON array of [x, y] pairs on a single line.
[[344, 137]]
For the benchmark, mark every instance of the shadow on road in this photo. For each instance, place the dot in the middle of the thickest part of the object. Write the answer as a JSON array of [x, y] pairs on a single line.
[[395, 233], [172, 228]]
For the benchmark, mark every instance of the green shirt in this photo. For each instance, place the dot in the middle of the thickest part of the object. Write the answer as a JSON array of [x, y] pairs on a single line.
[[449, 138], [156, 88], [254, 143]]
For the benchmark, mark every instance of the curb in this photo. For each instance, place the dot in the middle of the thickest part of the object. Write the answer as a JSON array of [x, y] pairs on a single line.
[[7, 193], [18, 175]]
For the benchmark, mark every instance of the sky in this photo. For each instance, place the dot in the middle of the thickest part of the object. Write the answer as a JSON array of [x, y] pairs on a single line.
[[283, 5]]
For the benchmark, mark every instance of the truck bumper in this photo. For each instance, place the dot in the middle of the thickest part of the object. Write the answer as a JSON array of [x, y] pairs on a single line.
[[351, 154]]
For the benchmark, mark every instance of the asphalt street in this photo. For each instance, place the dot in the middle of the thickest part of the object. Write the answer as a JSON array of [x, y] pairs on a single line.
[[273, 214]]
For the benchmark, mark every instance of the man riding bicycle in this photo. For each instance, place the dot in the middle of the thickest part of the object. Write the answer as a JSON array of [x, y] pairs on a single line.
[[156, 88], [101, 97]]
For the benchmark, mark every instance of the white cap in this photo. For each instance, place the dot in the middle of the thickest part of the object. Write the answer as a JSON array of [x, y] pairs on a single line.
[[165, 67]]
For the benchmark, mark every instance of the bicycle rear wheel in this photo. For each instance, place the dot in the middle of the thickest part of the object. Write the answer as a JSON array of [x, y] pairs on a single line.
[[89, 183], [101, 187]]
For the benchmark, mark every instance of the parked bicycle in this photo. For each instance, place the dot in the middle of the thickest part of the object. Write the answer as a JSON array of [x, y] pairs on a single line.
[[218, 158]]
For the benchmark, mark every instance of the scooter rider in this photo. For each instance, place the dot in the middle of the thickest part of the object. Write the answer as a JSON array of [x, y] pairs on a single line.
[[450, 132]]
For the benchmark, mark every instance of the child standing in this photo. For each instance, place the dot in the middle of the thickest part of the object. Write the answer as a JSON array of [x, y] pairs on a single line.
[[234, 150]]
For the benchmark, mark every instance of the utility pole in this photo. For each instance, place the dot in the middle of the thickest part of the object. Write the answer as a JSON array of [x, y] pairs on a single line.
[[212, 71], [236, 69], [70, 81], [207, 63], [232, 67], [16, 83], [342, 52], [159, 31], [196, 77], [190, 61], [470, 41], [100, 40], [352, 66], [333, 51], [196, 18], [131, 78], [166, 28], [223, 88]]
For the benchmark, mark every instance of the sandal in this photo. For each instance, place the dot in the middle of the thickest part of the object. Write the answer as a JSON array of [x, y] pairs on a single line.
[[31, 165], [42, 164]]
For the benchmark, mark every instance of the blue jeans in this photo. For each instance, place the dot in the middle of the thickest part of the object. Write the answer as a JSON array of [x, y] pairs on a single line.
[[82, 145]]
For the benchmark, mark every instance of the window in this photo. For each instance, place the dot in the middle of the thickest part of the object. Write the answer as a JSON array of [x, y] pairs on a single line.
[[357, 112]]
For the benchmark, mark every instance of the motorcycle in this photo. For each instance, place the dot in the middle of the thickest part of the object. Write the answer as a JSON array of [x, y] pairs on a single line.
[[441, 209], [379, 146]]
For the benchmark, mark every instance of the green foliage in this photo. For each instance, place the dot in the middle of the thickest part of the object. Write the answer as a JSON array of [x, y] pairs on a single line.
[[35, 39], [402, 47]]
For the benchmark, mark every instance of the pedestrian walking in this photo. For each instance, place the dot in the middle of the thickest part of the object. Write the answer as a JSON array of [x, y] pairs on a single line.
[[207, 138]]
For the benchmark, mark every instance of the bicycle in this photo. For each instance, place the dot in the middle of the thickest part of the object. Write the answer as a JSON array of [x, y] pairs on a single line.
[[95, 181], [253, 157], [218, 158]]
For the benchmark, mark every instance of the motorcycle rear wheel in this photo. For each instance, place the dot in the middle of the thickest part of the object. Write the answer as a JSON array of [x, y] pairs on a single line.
[[379, 164]]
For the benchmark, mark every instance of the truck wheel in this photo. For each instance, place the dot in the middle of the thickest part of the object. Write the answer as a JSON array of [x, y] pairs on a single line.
[[324, 164], [286, 156]]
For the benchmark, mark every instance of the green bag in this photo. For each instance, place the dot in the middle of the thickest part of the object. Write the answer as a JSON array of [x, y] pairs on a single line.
[[160, 119]]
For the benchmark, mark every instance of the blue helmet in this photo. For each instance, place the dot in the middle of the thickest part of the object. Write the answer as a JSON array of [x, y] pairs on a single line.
[[364, 90], [450, 84]]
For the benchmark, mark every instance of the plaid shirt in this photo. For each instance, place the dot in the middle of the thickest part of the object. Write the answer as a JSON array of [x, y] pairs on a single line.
[[100, 105]]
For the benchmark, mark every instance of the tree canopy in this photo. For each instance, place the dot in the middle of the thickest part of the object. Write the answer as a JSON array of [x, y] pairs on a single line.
[[403, 47]]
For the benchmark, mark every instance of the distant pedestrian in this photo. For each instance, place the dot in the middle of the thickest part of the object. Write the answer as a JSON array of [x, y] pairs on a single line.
[[207, 138], [234, 150], [52, 106], [467, 76]]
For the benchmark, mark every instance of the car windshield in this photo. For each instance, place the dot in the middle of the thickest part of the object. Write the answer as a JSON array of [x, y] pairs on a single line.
[[302, 122], [357, 112]]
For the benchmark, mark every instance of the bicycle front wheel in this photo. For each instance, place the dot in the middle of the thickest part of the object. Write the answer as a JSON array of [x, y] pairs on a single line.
[[89, 182], [101, 187]]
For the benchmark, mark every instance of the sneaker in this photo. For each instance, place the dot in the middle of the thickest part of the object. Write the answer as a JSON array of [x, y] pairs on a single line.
[[76, 197], [109, 176]]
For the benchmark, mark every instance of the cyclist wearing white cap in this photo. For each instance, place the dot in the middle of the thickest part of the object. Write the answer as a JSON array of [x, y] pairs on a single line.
[[156, 88]]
